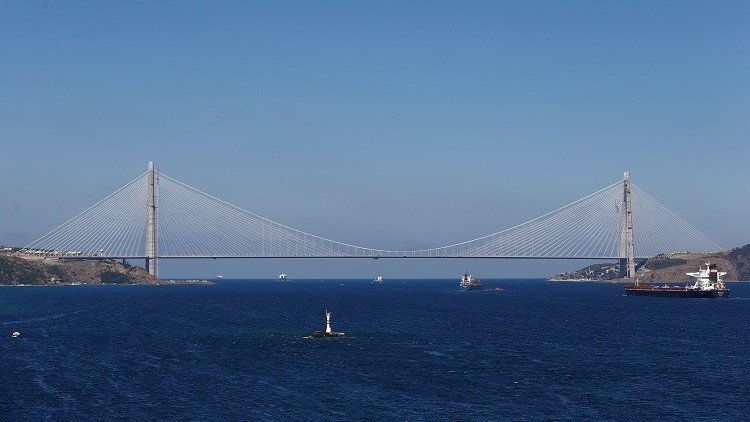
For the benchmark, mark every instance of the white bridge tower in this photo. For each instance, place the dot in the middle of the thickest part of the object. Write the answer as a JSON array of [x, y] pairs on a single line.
[[625, 248], [151, 264]]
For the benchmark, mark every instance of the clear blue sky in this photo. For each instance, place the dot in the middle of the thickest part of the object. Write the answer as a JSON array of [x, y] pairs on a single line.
[[373, 122]]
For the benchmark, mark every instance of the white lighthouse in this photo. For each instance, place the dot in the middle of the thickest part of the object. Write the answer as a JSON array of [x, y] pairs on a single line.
[[328, 332]]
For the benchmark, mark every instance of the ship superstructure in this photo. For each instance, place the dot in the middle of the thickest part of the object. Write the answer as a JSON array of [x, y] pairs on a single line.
[[468, 282]]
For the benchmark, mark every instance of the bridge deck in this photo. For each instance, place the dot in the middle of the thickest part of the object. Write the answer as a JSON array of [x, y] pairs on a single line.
[[601, 258]]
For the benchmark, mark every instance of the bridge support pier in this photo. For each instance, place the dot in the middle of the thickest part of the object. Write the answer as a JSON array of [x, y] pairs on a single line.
[[625, 249], [151, 264]]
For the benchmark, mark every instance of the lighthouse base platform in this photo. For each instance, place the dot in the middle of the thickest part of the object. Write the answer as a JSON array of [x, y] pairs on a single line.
[[325, 334]]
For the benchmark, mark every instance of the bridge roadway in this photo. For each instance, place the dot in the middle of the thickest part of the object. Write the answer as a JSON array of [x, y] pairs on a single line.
[[102, 258]]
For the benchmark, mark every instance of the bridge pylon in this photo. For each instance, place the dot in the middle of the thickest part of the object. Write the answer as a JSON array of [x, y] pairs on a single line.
[[151, 234], [625, 248]]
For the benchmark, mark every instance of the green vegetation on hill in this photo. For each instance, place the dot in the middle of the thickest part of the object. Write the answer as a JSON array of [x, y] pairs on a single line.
[[660, 262], [114, 277], [15, 271], [740, 257], [606, 271]]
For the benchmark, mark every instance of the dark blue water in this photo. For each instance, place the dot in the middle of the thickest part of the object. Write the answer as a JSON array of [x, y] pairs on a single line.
[[414, 350]]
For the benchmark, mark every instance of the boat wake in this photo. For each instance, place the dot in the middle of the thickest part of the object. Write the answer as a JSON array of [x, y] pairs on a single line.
[[436, 353], [37, 319]]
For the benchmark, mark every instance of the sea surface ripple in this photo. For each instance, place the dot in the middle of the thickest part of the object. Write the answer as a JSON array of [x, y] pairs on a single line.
[[414, 349]]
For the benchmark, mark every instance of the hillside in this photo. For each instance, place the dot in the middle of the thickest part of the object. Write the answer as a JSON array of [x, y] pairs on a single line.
[[15, 271], [671, 267], [674, 266], [740, 257]]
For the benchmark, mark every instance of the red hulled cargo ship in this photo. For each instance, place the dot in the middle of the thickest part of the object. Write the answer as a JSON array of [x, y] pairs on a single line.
[[708, 284]]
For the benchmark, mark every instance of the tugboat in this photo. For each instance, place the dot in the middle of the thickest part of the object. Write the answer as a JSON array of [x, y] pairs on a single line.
[[282, 277], [378, 279], [468, 282], [328, 332], [708, 284]]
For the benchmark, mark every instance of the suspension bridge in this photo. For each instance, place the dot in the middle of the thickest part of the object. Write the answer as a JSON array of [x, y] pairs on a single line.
[[156, 217]]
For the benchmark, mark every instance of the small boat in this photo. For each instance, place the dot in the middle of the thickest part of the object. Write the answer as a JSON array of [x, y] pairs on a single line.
[[328, 332], [378, 279], [16, 334], [498, 289], [219, 276], [282, 277]]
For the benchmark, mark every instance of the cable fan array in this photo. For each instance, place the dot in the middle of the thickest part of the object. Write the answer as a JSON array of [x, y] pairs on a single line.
[[192, 223], [114, 226]]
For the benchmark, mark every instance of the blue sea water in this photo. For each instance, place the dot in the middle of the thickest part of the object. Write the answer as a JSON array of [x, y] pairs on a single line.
[[414, 350]]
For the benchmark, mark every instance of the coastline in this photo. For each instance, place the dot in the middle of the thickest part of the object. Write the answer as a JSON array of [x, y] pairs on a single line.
[[166, 282]]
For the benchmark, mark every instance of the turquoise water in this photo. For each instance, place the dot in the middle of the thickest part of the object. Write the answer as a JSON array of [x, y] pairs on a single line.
[[419, 349]]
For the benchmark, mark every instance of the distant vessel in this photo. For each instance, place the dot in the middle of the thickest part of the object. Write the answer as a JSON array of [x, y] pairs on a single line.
[[16, 334], [378, 279], [219, 276], [282, 277], [468, 282], [328, 332], [708, 283]]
